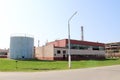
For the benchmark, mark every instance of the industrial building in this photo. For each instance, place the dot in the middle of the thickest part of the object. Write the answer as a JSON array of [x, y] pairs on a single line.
[[3, 53], [21, 47], [58, 50], [112, 49]]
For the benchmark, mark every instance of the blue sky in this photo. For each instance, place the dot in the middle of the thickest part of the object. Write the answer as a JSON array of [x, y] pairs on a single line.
[[47, 19]]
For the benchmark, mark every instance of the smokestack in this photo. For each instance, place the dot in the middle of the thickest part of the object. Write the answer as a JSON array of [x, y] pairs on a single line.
[[82, 35]]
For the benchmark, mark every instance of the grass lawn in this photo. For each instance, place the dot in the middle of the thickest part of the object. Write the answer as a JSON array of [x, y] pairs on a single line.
[[37, 65]]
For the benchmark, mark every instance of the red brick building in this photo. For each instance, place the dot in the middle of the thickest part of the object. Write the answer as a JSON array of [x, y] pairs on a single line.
[[58, 50]]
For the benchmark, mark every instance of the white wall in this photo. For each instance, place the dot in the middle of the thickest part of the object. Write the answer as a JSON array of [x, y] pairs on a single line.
[[79, 52], [45, 52]]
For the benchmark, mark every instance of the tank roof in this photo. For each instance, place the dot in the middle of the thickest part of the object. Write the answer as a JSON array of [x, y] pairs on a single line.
[[21, 35]]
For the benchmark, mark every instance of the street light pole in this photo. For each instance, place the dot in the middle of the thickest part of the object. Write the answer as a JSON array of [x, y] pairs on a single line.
[[69, 53]]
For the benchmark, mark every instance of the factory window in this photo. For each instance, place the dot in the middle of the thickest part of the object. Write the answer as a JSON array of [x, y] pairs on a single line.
[[58, 51], [95, 48], [64, 52], [116, 51], [73, 47], [114, 45], [101, 48], [77, 46], [83, 47], [5, 53]]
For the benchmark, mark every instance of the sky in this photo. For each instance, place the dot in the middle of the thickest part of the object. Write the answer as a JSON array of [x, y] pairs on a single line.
[[47, 20]]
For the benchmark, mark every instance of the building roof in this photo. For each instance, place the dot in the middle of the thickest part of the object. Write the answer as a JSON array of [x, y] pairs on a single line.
[[64, 42], [89, 43]]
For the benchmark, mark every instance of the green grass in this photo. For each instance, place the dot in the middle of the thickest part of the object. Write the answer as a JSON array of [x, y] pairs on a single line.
[[37, 65]]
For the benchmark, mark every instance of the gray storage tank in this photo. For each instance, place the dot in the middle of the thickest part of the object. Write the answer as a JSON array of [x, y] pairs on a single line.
[[21, 47]]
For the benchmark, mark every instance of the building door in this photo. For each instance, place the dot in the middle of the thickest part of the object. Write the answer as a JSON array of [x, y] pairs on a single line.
[[63, 56]]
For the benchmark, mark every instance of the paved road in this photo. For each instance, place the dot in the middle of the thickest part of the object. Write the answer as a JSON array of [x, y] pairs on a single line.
[[99, 73]]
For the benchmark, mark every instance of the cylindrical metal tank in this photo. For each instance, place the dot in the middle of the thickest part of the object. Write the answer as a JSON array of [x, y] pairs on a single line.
[[21, 47]]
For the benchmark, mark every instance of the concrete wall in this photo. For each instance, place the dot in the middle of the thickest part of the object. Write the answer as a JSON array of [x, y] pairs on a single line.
[[77, 53], [45, 52], [80, 52]]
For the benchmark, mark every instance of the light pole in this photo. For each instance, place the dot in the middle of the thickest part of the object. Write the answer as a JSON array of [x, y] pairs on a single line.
[[69, 54]]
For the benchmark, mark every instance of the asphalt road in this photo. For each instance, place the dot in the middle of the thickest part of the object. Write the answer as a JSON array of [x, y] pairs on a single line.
[[99, 73]]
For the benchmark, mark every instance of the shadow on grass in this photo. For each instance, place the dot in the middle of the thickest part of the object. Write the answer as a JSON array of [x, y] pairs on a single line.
[[35, 60], [97, 59], [45, 69], [106, 59]]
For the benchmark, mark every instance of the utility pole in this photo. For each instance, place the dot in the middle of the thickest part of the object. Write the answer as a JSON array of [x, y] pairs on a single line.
[[69, 53]]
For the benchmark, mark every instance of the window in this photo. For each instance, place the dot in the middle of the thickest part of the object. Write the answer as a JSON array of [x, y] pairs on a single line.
[[64, 52], [73, 47], [58, 51], [77, 46], [83, 47], [95, 48], [116, 51], [101, 48]]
